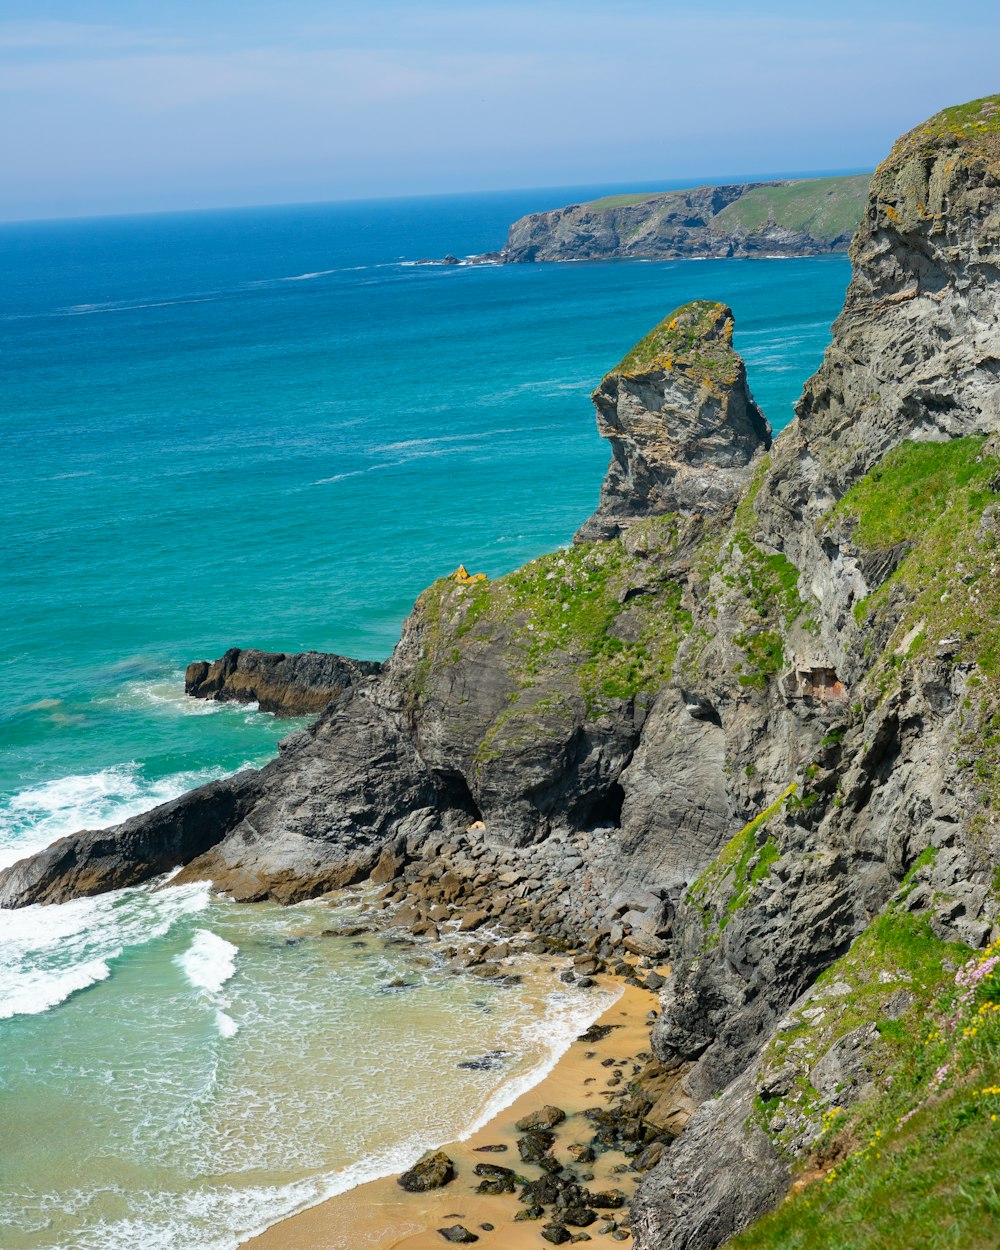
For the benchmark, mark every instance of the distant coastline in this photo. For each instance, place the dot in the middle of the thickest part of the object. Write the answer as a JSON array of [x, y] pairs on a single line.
[[775, 219]]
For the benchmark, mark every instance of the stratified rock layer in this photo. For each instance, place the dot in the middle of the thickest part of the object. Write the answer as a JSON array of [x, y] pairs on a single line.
[[682, 424]]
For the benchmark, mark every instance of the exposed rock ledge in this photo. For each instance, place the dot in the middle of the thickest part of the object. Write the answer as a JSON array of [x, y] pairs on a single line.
[[287, 685]]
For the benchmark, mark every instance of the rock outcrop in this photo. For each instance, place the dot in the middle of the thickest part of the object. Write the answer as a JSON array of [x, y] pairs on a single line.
[[682, 424], [808, 217], [750, 720], [287, 685]]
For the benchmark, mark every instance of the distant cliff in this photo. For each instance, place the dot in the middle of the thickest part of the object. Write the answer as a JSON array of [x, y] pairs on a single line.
[[804, 218]]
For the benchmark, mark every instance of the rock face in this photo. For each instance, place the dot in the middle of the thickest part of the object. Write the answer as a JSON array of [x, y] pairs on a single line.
[[682, 424], [749, 721], [287, 685], [799, 218]]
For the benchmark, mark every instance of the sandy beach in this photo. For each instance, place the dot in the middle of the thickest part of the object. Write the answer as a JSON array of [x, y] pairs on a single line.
[[380, 1215]]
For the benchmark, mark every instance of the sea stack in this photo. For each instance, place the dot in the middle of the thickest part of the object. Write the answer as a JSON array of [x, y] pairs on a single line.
[[681, 421]]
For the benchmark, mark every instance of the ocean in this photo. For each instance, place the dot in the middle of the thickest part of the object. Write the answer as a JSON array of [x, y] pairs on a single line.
[[271, 428]]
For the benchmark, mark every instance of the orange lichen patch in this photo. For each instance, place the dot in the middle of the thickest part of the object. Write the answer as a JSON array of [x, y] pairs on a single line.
[[695, 339]]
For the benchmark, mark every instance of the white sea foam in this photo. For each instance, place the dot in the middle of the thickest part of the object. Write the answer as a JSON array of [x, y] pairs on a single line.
[[226, 1025], [38, 815], [32, 993], [373, 468], [209, 961], [87, 310], [48, 953], [304, 277]]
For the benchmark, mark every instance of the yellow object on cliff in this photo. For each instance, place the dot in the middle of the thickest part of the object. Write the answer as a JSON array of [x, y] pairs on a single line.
[[462, 575]]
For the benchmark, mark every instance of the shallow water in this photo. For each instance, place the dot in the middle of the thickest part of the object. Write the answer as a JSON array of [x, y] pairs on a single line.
[[230, 1064]]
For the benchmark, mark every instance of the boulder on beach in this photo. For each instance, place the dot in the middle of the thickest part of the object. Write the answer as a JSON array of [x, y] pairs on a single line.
[[430, 1171], [545, 1118]]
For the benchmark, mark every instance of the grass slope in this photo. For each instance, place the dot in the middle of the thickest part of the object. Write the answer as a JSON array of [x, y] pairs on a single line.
[[826, 208], [918, 1164]]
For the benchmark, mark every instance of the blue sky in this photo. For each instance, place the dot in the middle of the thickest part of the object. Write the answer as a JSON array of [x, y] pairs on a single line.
[[122, 107]]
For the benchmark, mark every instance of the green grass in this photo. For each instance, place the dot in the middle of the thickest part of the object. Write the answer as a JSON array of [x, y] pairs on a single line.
[[932, 498], [622, 201], [912, 488], [560, 610], [697, 338], [827, 208], [973, 122], [728, 882], [918, 1164]]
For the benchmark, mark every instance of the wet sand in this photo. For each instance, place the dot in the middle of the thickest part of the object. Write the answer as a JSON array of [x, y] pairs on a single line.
[[380, 1214]]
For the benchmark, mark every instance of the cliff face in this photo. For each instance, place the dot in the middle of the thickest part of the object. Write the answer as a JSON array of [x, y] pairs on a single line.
[[682, 425], [804, 218], [750, 720]]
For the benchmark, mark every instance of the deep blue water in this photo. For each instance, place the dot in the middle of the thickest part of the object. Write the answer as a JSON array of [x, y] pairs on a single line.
[[261, 427]]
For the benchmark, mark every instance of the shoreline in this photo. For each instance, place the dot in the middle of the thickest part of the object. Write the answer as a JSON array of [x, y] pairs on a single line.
[[381, 1215]]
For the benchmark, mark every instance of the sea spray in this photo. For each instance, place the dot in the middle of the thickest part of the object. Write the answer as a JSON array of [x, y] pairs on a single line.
[[48, 953]]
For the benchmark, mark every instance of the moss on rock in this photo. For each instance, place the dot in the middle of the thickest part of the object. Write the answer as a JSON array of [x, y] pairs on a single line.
[[695, 339]]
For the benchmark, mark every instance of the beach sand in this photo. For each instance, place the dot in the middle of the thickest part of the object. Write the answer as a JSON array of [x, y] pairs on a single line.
[[380, 1214]]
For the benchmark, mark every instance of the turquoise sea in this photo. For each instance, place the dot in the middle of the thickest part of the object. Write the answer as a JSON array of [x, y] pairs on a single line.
[[265, 427]]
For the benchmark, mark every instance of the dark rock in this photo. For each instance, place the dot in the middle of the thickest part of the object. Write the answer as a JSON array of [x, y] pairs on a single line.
[[530, 1213], [493, 1170], [556, 1234], [287, 685], [578, 1216], [545, 1118], [497, 1185], [597, 1033], [534, 1146], [458, 1234], [489, 1062], [431, 1171], [607, 1199]]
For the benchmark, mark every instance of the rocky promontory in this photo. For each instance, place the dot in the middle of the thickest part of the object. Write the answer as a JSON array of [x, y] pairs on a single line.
[[682, 424], [805, 217], [748, 723], [286, 685]]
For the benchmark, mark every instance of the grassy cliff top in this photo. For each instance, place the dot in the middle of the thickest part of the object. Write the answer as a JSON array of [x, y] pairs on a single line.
[[624, 201], [826, 208], [974, 126], [696, 338]]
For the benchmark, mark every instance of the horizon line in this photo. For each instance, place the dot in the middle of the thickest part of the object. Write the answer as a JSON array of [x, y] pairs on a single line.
[[682, 182]]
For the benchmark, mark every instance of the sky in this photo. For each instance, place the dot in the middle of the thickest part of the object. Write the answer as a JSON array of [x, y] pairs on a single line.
[[112, 106]]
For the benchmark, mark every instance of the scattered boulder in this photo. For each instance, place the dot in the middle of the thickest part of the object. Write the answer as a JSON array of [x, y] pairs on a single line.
[[608, 1199], [458, 1234], [533, 1147], [430, 1171], [545, 1118]]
